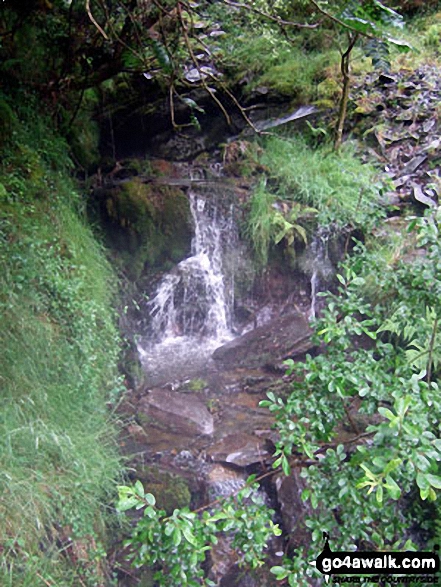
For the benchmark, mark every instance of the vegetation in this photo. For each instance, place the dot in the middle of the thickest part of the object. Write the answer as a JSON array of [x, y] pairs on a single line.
[[380, 375], [362, 418], [176, 545], [302, 186], [59, 348]]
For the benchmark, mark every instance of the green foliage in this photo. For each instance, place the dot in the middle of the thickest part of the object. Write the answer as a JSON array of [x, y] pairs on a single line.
[[268, 59], [271, 221], [176, 546], [59, 349], [364, 415], [339, 186]]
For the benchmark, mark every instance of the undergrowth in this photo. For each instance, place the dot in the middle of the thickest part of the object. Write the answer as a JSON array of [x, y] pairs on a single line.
[[300, 183], [269, 60], [59, 348]]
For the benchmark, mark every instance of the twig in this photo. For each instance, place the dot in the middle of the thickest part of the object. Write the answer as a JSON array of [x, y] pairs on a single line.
[[241, 109], [276, 19], [43, 579], [431, 347], [340, 22], [94, 21]]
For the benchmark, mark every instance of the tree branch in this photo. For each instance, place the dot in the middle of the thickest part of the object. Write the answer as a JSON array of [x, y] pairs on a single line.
[[276, 19], [94, 21], [340, 22]]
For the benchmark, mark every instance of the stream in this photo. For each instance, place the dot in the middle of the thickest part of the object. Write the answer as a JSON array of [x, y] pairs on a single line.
[[195, 423]]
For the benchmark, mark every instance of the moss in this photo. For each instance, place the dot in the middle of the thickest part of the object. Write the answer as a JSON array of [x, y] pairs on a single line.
[[196, 385], [148, 225], [171, 491]]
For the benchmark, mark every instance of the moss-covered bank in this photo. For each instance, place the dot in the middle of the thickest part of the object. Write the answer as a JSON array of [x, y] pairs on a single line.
[[58, 352]]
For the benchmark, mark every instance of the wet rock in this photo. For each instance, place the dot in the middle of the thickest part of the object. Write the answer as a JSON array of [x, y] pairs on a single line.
[[223, 481], [171, 491], [293, 509], [267, 345], [184, 413], [407, 129], [239, 449], [413, 164]]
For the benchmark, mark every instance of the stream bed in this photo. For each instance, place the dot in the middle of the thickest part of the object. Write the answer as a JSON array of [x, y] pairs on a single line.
[[195, 424]]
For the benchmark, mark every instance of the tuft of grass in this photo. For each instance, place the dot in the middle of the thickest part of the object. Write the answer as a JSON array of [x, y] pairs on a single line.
[[59, 348], [343, 189], [260, 221], [268, 59]]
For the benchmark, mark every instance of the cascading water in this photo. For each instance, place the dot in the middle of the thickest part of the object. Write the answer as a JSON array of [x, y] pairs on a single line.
[[322, 268], [192, 308]]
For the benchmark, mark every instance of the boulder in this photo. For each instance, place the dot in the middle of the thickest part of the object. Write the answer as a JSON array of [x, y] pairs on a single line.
[[179, 412], [267, 345], [239, 449]]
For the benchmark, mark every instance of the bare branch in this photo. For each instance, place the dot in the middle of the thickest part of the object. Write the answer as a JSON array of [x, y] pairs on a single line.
[[94, 21], [340, 22], [276, 19], [196, 64]]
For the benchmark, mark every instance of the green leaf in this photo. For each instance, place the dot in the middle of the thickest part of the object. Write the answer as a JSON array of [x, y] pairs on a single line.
[[392, 465], [189, 536], [387, 413], [379, 494], [150, 498], [177, 537], [422, 482], [280, 572], [285, 466], [434, 480], [126, 503], [392, 487], [139, 489]]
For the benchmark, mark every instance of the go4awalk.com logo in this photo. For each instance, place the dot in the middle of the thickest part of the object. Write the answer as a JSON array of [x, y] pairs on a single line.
[[396, 567]]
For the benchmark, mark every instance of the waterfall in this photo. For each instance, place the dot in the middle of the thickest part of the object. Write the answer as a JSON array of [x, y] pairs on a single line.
[[194, 300], [322, 268], [191, 311]]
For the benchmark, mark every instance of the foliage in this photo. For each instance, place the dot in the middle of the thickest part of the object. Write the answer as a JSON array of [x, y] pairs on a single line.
[[176, 545], [59, 349], [343, 190], [269, 60], [271, 221], [364, 415]]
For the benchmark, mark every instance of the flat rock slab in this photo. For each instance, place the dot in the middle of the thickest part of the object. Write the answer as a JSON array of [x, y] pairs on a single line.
[[239, 449], [267, 345], [179, 412]]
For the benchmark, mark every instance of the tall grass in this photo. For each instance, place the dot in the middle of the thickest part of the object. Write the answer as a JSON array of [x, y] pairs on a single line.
[[260, 222], [58, 353], [342, 188], [263, 57]]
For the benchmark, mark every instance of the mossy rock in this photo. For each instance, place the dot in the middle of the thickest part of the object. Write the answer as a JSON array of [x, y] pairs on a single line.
[[148, 225], [171, 491]]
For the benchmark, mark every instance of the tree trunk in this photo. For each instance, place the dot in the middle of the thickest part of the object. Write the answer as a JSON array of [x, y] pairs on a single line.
[[345, 71]]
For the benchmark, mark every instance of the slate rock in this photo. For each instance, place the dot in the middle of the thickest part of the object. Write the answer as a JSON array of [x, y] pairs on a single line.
[[267, 345], [180, 412]]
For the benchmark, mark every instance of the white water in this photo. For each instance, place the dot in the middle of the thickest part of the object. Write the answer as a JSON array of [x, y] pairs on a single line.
[[322, 268], [192, 307]]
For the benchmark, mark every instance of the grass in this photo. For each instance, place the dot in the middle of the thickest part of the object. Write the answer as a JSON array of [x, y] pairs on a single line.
[[268, 59], [58, 352], [303, 187], [342, 188]]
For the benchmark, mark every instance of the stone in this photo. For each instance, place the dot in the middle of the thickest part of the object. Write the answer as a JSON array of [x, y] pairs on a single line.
[[267, 345], [239, 449], [181, 412]]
